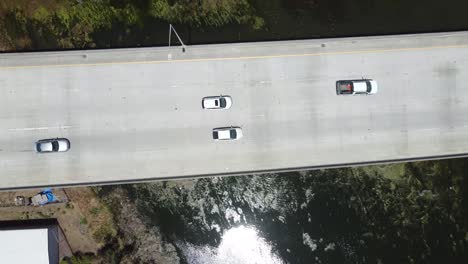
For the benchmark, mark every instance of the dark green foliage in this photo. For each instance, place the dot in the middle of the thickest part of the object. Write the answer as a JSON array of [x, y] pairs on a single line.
[[214, 13], [66, 26], [78, 259], [72, 23]]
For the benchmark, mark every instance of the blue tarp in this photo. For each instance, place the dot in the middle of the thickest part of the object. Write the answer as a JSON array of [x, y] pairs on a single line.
[[50, 196]]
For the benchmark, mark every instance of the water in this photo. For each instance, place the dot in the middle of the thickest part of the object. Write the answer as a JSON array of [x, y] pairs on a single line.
[[323, 216], [240, 244]]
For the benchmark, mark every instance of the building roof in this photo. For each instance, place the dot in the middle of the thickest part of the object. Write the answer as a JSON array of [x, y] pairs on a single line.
[[29, 242]]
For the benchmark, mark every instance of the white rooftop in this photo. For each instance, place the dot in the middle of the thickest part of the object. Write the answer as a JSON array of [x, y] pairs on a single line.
[[24, 246]]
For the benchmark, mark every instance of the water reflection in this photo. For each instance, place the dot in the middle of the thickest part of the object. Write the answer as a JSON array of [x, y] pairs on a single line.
[[240, 244]]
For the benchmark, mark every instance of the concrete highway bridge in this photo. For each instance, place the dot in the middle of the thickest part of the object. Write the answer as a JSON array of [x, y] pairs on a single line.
[[135, 114]]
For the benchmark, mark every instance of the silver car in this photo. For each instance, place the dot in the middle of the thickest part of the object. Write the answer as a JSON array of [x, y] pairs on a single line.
[[227, 133], [217, 102], [52, 145]]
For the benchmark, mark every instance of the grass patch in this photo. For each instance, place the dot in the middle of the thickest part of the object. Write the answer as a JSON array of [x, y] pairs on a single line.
[[83, 220], [86, 259], [390, 171], [104, 234], [42, 215], [95, 210]]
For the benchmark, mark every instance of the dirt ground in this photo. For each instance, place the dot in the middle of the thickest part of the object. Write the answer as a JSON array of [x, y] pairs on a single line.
[[85, 222]]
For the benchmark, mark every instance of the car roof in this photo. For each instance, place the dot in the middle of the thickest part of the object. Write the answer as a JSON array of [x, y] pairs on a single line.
[[224, 133], [63, 144], [210, 101], [360, 86], [46, 146]]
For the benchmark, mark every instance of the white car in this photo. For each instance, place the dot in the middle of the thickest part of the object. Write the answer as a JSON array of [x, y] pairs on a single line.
[[52, 145], [362, 86], [217, 102], [227, 133]]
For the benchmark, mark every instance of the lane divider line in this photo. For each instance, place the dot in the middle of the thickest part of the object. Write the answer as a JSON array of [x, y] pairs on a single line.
[[37, 128]]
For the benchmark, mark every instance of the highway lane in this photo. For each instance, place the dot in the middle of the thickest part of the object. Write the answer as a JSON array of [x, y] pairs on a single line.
[[132, 114]]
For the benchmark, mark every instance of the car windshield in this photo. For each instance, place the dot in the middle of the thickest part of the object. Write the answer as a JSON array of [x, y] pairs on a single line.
[[369, 86], [55, 146], [222, 102], [215, 134], [233, 133]]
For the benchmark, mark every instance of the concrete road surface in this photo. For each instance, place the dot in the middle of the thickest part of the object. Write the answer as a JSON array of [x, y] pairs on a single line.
[[135, 114]]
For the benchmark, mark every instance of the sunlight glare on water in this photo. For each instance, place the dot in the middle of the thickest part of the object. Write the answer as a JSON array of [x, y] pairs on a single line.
[[238, 245]]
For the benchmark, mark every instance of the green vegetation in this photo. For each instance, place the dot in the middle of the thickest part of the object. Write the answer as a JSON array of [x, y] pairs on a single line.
[[66, 24], [104, 234], [24, 215], [205, 12], [80, 259], [69, 205], [71, 23], [42, 215], [83, 220], [95, 210], [390, 171], [55, 24]]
